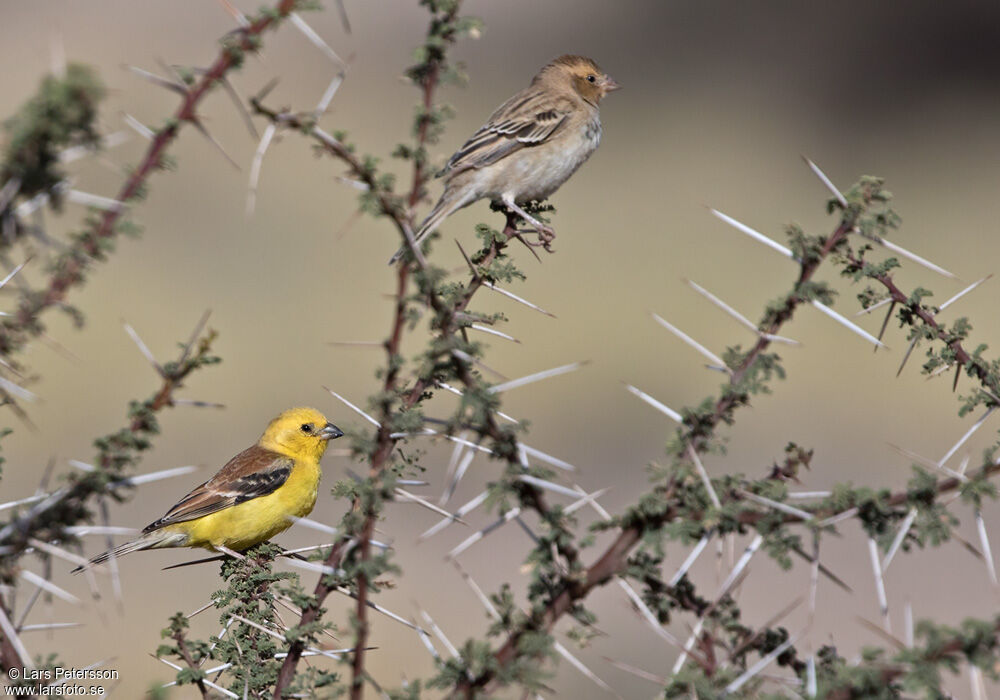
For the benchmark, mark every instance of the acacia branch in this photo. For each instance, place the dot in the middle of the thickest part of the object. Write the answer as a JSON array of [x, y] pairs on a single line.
[[71, 266]]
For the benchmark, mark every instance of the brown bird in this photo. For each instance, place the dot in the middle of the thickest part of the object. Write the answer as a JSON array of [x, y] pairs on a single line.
[[529, 146]]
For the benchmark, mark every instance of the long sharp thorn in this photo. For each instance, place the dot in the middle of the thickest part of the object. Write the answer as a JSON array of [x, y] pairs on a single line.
[[233, 11], [15, 640], [198, 328], [661, 407], [962, 293], [49, 587], [328, 94], [743, 320], [885, 323], [638, 672], [255, 167], [579, 666], [691, 557], [140, 128], [10, 275], [756, 235], [428, 505], [704, 476], [153, 476], [958, 374], [548, 485], [179, 88], [741, 564], [913, 344], [826, 181], [883, 601], [536, 377], [848, 324], [467, 508], [143, 348], [493, 331], [760, 665], [439, 633], [196, 122], [691, 342], [481, 534], [354, 408], [874, 307], [547, 458], [967, 435], [900, 537], [915, 258], [511, 295], [984, 542], [315, 38]]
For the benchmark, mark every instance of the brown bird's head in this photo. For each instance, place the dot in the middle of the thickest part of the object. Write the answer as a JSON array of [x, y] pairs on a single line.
[[582, 74]]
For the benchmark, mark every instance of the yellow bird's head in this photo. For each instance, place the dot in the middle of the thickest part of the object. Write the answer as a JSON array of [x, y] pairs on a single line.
[[300, 433]]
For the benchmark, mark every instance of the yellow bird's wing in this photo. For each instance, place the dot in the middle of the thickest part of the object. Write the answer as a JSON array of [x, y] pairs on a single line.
[[253, 472], [529, 118]]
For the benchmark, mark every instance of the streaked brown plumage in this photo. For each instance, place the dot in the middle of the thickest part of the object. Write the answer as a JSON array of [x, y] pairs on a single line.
[[529, 146]]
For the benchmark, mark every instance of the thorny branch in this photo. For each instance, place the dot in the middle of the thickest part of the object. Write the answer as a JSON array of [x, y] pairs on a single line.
[[69, 505], [70, 268]]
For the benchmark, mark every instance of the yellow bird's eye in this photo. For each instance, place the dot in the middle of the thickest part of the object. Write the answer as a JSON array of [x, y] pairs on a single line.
[[307, 428], [591, 78]]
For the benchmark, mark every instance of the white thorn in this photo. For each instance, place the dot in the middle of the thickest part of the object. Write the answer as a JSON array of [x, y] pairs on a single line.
[[315, 38], [711, 356], [826, 181], [355, 408], [754, 234], [511, 295], [662, 408], [140, 128], [915, 258], [255, 167], [536, 377], [760, 665], [154, 476], [965, 437], [547, 458], [48, 586], [962, 293], [898, 540], [704, 476], [883, 601], [848, 324], [691, 557]]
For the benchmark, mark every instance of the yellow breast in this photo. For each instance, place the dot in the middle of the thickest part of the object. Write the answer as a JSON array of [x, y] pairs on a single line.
[[257, 520]]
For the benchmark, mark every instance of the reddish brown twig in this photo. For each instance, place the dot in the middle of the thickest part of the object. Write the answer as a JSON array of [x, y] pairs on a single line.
[[25, 323]]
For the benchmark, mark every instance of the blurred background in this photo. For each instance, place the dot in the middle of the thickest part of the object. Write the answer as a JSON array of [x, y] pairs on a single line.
[[720, 101]]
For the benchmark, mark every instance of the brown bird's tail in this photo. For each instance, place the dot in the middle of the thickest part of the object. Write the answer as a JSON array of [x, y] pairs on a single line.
[[150, 540], [451, 201]]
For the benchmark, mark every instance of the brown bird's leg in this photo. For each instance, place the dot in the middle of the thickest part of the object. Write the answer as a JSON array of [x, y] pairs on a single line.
[[546, 234]]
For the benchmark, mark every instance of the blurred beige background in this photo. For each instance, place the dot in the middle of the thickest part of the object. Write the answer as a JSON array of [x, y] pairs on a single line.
[[720, 100]]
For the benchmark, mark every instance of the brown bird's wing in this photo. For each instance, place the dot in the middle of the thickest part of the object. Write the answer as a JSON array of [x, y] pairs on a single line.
[[529, 118], [253, 472]]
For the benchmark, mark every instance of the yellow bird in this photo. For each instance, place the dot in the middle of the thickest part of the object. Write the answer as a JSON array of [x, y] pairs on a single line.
[[252, 498]]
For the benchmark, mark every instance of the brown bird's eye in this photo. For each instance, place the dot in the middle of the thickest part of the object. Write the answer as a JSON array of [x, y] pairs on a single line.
[[591, 79], [307, 428]]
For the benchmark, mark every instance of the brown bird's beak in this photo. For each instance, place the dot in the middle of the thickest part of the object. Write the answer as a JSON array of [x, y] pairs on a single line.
[[330, 432], [610, 85]]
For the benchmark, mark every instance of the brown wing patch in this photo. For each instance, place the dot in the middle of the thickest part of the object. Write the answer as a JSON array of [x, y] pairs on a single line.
[[527, 119], [252, 473]]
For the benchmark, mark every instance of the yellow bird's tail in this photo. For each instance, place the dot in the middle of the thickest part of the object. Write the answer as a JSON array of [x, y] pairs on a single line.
[[151, 540]]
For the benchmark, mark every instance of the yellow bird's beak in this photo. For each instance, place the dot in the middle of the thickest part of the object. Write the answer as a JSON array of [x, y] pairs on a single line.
[[330, 432]]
